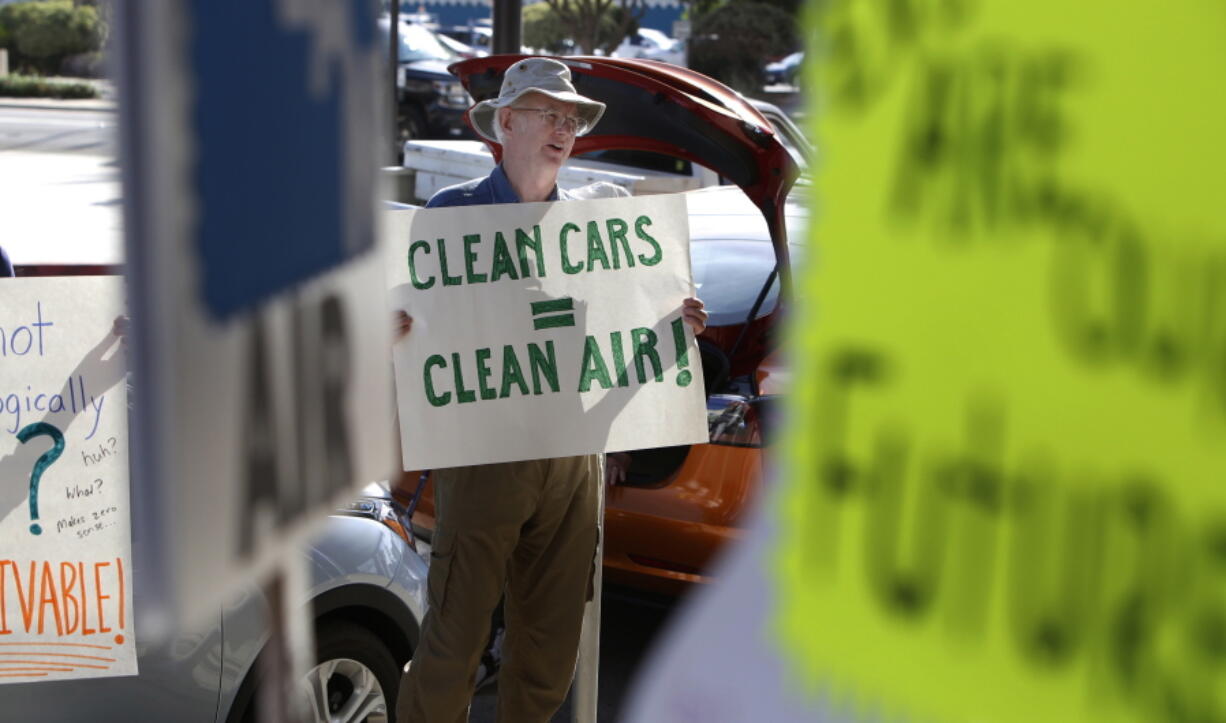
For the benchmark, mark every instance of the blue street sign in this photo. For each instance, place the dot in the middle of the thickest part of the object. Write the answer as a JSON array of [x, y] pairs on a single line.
[[282, 117]]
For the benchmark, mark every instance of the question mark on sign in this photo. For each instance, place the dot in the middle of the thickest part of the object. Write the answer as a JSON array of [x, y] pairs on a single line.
[[28, 432], [113, 442], [99, 483]]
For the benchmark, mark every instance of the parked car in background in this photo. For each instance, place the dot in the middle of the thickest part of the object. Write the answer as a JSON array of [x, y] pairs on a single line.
[[458, 47], [367, 600], [430, 102], [680, 505], [784, 71], [651, 44], [478, 37]]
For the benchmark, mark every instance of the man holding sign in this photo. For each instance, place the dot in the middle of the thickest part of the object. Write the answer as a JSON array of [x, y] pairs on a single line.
[[527, 526]]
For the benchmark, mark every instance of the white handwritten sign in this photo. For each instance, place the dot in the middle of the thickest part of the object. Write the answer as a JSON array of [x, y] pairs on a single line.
[[544, 330], [65, 536]]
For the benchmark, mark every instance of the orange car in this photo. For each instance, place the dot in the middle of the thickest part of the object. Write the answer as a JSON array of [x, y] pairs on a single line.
[[679, 505]]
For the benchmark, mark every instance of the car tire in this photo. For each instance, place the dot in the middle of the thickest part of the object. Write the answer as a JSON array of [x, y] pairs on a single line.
[[356, 677], [340, 642]]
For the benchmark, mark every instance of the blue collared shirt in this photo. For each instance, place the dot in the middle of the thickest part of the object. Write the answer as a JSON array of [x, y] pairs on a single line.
[[494, 188]]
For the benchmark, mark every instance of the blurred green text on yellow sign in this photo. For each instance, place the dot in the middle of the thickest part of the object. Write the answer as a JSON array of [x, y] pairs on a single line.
[[1006, 491]]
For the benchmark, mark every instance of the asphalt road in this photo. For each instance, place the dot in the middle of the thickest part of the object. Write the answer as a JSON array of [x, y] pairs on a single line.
[[59, 184], [45, 130]]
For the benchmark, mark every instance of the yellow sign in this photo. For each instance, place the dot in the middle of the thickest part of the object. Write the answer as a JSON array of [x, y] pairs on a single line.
[[1006, 494]]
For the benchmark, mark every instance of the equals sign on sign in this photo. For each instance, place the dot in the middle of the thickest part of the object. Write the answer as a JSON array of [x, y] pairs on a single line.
[[553, 314]]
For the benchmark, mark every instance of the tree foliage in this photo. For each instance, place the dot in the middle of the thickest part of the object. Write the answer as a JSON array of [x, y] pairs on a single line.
[[20, 86], [597, 24], [696, 9], [41, 34], [733, 42], [544, 30], [791, 7]]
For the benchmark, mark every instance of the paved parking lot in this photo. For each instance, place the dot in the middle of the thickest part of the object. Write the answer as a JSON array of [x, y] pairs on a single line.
[[630, 624]]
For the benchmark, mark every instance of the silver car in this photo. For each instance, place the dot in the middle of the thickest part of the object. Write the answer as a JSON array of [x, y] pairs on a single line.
[[366, 598]]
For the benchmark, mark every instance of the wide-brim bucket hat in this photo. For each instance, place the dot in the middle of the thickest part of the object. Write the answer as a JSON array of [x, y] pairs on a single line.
[[534, 75]]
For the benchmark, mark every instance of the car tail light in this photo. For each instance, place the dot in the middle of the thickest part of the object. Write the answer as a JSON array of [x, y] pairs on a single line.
[[733, 421]]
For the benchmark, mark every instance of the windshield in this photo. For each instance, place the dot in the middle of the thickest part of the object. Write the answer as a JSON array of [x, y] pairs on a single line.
[[418, 43]]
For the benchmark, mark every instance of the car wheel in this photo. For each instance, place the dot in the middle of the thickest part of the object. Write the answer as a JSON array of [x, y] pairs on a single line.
[[356, 679]]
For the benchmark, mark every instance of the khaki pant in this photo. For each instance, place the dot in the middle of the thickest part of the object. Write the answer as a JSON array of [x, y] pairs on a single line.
[[528, 528]]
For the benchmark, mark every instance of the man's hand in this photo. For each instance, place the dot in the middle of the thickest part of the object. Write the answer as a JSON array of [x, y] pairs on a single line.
[[119, 328], [616, 464], [695, 314], [402, 324]]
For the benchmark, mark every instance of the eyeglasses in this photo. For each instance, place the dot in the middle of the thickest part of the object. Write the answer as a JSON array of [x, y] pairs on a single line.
[[569, 123]]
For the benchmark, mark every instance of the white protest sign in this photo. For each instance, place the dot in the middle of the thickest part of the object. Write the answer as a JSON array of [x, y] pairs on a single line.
[[544, 330], [65, 533]]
